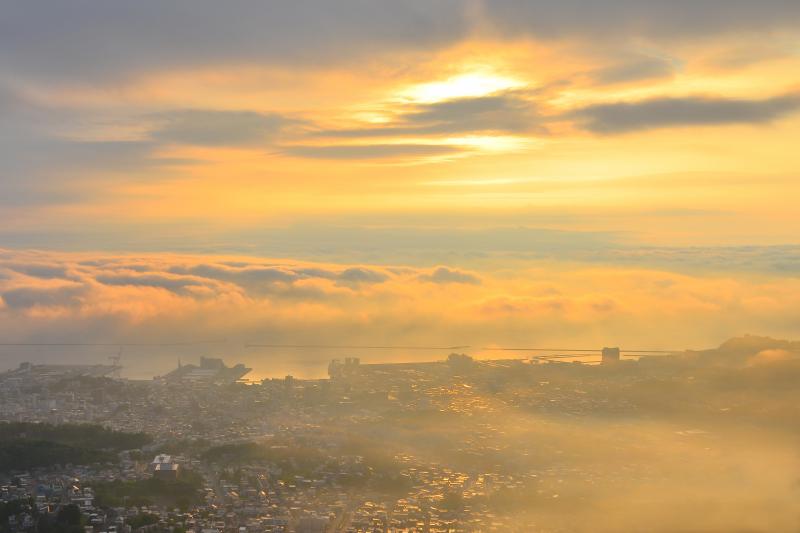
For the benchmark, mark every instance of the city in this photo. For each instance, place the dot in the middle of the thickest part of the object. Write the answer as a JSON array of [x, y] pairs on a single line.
[[456, 445]]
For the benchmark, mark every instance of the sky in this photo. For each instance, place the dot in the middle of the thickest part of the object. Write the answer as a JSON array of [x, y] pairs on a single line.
[[483, 173]]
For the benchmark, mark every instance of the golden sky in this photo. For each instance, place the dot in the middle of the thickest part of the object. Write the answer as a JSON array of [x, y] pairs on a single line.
[[576, 144]]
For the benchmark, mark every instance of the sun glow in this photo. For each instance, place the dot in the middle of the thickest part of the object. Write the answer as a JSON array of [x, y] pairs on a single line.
[[493, 143], [471, 84]]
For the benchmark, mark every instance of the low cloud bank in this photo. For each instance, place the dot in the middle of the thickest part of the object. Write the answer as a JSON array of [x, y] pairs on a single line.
[[49, 297]]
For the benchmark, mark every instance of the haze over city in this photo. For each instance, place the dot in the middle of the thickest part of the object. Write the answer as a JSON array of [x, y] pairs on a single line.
[[404, 221]]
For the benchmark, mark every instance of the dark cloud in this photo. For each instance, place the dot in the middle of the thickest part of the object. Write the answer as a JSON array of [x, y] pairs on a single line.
[[87, 39], [244, 276], [217, 128], [194, 281], [84, 39], [450, 275], [622, 117], [28, 297], [368, 151], [635, 69], [501, 113], [177, 285], [262, 278], [357, 275], [311, 272], [626, 19], [42, 271]]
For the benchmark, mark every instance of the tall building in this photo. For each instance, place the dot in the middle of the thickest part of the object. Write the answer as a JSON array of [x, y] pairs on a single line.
[[610, 356]]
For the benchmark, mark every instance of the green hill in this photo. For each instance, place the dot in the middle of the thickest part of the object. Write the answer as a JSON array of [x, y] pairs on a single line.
[[25, 445]]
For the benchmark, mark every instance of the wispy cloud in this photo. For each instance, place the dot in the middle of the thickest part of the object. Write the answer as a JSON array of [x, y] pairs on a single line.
[[368, 151], [217, 128], [501, 113]]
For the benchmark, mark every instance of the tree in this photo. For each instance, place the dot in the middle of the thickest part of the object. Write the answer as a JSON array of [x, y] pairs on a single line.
[[69, 519]]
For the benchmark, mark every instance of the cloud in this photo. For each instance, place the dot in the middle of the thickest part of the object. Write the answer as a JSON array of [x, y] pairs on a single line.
[[38, 136], [508, 113], [44, 271], [174, 284], [361, 275], [501, 113], [450, 275], [369, 151], [43, 169], [90, 41], [420, 242], [29, 297], [94, 155], [217, 128], [625, 19], [253, 277], [86, 120], [623, 117], [107, 301], [51, 154], [635, 69], [744, 54], [247, 276]]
